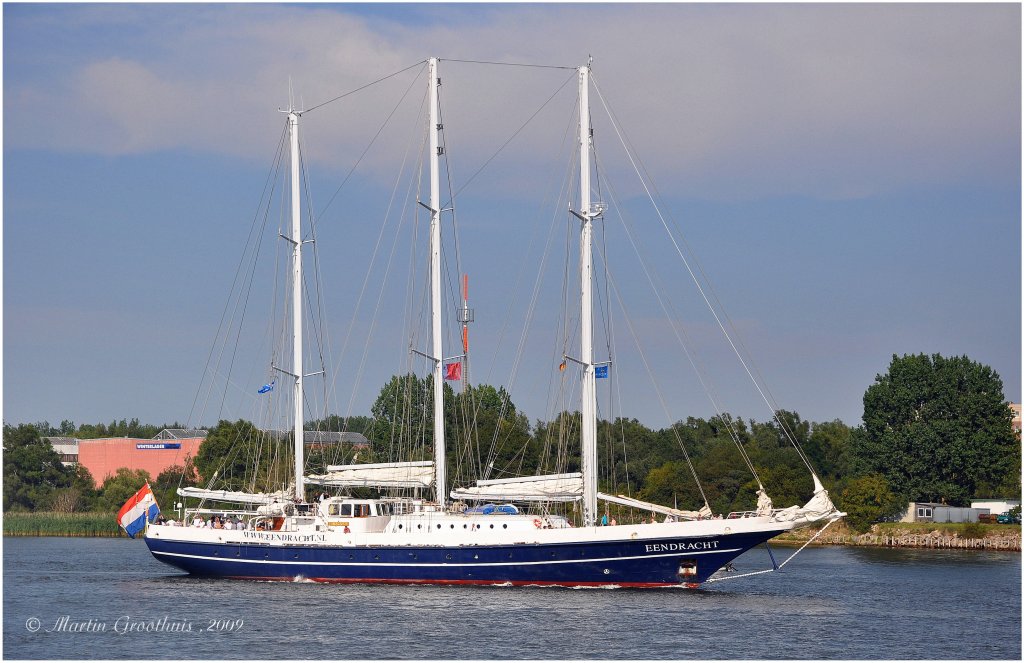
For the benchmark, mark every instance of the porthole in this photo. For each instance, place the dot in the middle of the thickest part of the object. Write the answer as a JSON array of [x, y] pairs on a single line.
[[296, 555], [453, 525], [399, 526], [376, 556], [419, 527], [351, 556], [504, 526], [448, 556], [465, 526], [492, 525], [439, 526]]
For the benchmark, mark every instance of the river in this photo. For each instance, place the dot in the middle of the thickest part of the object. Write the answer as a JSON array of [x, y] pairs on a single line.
[[109, 598]]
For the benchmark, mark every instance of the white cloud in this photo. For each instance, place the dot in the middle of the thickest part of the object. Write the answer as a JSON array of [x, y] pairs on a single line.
[[731, 101]]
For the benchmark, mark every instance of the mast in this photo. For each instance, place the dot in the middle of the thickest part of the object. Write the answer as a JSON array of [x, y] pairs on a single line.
[[296, 241], [588, 429], [435, 284]]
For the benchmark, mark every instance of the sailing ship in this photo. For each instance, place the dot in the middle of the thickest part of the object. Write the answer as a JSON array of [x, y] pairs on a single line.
[[511, 535]]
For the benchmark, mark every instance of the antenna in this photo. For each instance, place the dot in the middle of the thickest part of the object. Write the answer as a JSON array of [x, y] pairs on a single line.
[[466, 316]]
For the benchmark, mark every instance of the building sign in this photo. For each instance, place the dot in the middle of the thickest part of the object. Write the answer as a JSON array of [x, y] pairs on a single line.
[[158, 445]]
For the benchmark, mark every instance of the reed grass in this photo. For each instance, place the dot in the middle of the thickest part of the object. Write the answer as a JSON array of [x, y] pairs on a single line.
[[49, 523]]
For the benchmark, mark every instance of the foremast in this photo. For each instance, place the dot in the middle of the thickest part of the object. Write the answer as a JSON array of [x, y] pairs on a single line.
[[588, 430]]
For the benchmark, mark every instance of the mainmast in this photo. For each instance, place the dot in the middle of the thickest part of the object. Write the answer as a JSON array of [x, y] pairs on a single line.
[[589, 406], [435, 284], [296, 242]]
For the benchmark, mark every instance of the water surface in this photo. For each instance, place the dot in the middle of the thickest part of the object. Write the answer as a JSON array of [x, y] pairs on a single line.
[[828, 603]]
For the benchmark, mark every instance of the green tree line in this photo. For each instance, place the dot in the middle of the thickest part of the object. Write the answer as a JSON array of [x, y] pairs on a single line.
[[934, 429]]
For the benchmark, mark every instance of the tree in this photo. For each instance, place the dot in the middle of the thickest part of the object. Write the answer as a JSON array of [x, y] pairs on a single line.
[[166, 484], [403, 419], [118, 488], [86, 487], [828, 448], [244, 458], [487, 436], [66, 500], [937, 429], [32, 469], [868, 500]]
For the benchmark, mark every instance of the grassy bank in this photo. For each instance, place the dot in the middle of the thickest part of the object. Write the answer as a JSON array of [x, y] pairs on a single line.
[[971, 536], [48, 523]]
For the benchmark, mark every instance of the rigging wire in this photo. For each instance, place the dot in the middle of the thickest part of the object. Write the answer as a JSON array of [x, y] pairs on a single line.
[[682, 339], [380, 130], [507, 141], [363, 87], [510, 64], [693, 276], [531, 309], [267, 186], [387, 271], [366, 280], [650, 373]]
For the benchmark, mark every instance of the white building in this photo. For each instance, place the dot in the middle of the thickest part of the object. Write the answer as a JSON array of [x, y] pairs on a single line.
[[995, 506]]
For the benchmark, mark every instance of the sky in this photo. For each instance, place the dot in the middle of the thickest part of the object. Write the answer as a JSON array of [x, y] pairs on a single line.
[[848, 176]]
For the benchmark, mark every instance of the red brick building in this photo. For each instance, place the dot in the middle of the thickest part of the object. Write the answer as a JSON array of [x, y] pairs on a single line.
[[104, 456]]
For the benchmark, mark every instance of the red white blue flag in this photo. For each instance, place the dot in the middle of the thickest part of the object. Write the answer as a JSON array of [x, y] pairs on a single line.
[[139, 508]]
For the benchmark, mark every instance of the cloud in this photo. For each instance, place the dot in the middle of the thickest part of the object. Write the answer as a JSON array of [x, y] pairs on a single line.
[[731, 101]]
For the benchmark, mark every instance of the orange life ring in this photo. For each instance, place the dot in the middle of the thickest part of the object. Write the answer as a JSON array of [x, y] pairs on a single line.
[[537, 523]]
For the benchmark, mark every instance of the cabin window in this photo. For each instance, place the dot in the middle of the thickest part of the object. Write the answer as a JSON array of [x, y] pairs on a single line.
[[346, 509], [362, 510], [332, 510]]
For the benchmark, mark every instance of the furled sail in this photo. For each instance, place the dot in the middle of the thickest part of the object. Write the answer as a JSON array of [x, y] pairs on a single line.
[[818, 507], [236, 496], [545, 488], [703, 513], [414, 474]]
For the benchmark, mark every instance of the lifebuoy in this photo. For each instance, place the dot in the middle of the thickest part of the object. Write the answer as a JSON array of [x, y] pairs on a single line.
[[537, 523]]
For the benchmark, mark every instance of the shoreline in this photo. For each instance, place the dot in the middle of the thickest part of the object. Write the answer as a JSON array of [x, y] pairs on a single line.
[[941, 536], [944, 536]]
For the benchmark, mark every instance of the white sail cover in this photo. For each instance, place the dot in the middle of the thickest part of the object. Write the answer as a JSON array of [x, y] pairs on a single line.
[[704, 511], [236, 496], [818, 507], [414, 474], [545, 488]]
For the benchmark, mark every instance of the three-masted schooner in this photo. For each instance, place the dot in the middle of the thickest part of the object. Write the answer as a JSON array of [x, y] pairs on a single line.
[[343, 538]]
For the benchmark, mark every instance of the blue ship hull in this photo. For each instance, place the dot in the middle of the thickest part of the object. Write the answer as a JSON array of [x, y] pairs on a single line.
[[632, 563]]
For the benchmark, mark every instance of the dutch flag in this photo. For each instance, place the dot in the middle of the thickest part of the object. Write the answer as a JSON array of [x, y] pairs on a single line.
[[139, 508]]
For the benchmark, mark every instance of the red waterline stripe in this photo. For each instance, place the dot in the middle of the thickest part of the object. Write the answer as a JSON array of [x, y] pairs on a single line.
[[518, 583]]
